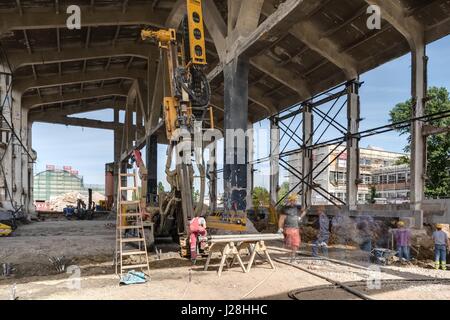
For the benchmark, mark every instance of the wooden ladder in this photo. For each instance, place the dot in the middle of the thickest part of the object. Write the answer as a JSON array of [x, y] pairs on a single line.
[[129, 221]]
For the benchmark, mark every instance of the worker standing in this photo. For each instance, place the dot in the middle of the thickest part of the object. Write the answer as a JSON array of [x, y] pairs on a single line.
[[403, 241], [323, 235], [197, 228], [441, 243], [288, 224]]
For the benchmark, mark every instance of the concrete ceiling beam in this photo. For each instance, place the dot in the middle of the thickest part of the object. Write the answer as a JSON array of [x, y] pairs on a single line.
[[276, 24], [248, 18], [257, 96], [19, 60], [30, 19], [314, 39], [48, 112], [176, 14], [82, 122], [282, 75], [397, 15], [35, 101], [233, 13], [20, 86], [216, 26]]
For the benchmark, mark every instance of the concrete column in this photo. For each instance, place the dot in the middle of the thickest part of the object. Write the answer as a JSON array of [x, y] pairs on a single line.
[[274, 160], [31, 208], [5, 145], [353, 118], [213, 177], [307, 165], [236, 115], [117, 154], [17, 151], [25, 160], [418, 141], [117, 138], [250, 171], [152, 169]]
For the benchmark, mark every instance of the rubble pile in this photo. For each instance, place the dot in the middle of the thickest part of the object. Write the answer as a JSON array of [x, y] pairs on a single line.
[[422, 242], [58, 203], [309, 234]]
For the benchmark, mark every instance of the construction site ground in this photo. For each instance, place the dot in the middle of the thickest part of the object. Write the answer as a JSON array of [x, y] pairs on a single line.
[[89, 245]]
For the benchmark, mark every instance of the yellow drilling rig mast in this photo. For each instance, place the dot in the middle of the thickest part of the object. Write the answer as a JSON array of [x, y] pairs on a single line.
[[185, 108]]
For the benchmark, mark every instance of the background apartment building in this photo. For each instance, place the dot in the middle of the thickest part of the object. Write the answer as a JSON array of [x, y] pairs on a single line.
[[377, 168]]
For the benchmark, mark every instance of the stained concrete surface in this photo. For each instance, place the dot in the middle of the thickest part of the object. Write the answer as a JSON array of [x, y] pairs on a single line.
[[90, 246]]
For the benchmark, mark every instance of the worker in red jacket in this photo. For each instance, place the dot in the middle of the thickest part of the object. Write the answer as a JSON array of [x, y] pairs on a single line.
[[197, 236]]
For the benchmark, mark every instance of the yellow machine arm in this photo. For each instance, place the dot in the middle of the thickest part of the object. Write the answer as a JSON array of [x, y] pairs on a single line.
[[187, 100]]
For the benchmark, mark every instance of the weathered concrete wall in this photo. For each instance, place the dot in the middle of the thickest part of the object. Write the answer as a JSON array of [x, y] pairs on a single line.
[[435, 211], [16, 155]]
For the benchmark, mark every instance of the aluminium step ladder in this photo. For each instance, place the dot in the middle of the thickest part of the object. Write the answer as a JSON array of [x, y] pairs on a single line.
[[130, 229]]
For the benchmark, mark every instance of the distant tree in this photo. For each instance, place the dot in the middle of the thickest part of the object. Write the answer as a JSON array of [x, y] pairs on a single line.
[[160, 188], [260, 197], [438, 146], [402, 160], [372, 194], [196, 195], [284, 190]]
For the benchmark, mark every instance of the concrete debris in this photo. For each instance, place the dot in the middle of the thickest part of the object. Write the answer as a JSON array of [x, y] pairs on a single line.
[[58, 203]]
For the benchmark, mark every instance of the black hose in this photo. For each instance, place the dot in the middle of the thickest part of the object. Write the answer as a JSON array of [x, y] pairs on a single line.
[[335, 283], [199, 90], [294, 293]]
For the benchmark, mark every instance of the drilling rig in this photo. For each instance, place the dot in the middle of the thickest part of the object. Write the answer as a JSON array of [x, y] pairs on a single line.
[[185, 109]]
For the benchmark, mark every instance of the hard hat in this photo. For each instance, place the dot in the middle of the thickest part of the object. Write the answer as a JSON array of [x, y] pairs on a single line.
[[293, 197], [439, 226], [400, 224]]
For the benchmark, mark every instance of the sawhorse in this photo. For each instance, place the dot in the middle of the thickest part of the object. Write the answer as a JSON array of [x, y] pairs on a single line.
[[232, 250]]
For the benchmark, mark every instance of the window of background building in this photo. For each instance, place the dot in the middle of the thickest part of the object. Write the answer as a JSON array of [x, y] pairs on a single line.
[[366, 179], [375, 179], [391, 178]]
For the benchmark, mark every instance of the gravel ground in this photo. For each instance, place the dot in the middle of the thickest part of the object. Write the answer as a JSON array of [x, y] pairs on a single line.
[[90, 246]]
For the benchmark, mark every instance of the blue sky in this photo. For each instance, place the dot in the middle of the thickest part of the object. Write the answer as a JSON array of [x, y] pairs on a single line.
[[87, 150]]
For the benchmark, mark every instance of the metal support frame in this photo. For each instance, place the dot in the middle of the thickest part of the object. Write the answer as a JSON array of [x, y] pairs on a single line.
[[350, 137]]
